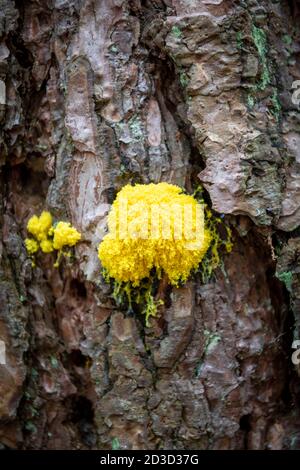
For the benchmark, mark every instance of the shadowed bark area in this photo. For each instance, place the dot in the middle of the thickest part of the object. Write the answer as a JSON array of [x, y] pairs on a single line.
[[95, 94]]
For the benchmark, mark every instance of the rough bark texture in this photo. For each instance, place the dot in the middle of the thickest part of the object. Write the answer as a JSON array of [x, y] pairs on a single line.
[[99, 93]]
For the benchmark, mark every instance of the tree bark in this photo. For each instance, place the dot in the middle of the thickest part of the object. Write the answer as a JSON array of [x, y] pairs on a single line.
[[95, 94]]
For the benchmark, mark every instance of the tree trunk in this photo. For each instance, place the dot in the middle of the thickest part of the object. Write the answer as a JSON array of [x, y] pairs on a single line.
[[95, 94]]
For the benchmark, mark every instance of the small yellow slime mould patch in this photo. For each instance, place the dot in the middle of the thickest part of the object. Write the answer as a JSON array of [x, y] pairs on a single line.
[[65, 235], [39, 226], [46, 246], [49, 237], [32, 246]]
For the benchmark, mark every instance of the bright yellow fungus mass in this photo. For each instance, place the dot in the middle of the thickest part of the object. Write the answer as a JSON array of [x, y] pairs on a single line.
[[39, 226], [153, 226], [32, 246], [65, 235], [49, 237]]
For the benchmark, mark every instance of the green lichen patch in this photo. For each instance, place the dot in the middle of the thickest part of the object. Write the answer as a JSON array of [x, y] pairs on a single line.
[[287, 278], [260, 40], [239, 39], [287, 40], [183, 79], [250, 101], [136, 128], [276, 105], [115, 444], [211, 341], [176, 31]]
